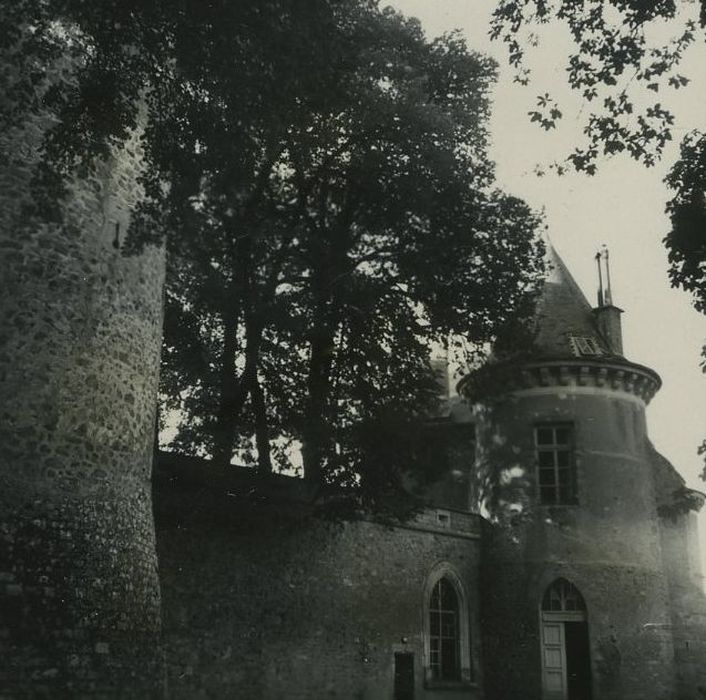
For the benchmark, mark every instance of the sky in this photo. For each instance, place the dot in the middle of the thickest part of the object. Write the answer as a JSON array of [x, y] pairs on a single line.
[[622, 207]]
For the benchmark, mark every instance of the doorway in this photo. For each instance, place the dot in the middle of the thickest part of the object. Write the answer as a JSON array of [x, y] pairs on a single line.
[[404, 676], [566, 660]]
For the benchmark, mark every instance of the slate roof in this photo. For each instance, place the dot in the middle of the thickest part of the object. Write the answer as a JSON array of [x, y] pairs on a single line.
[[564, 316]]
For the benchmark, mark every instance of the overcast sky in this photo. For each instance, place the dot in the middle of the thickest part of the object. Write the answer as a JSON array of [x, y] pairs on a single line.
[[622, 206]]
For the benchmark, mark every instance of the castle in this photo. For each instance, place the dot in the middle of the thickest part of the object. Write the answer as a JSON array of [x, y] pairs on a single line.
[[559, 559]]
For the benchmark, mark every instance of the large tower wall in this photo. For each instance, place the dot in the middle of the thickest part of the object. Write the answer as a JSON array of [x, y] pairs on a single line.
[[608, 545], [79, 359]]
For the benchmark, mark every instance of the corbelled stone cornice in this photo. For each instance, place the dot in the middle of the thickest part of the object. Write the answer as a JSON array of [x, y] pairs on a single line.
[[623, 376], [609, 376]]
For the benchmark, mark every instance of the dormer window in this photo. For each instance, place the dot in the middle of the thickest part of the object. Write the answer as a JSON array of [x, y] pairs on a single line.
[[585, 345]]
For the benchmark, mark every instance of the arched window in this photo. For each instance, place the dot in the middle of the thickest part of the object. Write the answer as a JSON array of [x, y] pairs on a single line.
[[444, 641], [446, 628], [563, 596]]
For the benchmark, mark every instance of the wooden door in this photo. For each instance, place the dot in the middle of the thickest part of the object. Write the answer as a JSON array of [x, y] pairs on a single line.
[[554, 679]]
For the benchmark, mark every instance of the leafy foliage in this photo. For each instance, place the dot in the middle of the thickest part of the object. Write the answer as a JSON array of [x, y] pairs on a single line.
[[613, 56], [687, 210], [686, 241], [382, 199], [319, 174]]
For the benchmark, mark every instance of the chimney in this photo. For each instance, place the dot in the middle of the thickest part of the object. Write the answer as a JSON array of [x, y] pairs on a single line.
[[607, 316]]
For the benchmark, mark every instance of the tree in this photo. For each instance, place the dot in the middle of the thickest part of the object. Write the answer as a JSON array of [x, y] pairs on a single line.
[[686, 241], [376, 233], [280, 171], [158, 60], [613, 58]]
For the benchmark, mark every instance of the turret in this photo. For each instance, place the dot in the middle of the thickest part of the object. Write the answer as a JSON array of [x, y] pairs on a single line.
[[576, 593]]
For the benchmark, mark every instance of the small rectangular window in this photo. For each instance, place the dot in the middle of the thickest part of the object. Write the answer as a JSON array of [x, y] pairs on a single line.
[[556, 467], [443, 518], [585, 346]]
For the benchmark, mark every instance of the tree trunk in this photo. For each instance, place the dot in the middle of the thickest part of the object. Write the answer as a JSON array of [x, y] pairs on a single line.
[[232, 393], [321, 345], [235, 390], [262, 438]]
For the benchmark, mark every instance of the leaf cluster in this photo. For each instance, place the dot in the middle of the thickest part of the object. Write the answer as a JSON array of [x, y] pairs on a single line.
[[686, 240], [613, 56]]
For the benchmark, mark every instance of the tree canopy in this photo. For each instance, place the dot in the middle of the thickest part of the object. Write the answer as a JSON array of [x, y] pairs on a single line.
[[375, 234], [615, 57], [320, 176]]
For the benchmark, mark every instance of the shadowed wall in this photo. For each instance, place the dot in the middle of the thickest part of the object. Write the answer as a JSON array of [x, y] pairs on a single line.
[[79, 358]]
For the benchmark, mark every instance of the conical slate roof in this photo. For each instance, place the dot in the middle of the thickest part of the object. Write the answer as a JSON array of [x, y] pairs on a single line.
[[565, 325], [564, 328]]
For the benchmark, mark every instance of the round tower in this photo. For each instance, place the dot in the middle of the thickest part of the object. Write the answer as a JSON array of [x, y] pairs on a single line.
[[575, 595], [79, 359]]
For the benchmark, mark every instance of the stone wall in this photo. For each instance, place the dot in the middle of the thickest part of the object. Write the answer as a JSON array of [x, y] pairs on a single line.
[[608, 545], [682, 564], [264, 601], [631, 644], [80, 331], [687, 602]]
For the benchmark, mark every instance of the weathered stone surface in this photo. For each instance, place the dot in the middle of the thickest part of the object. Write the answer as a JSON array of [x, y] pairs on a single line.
[[80, 330], [267, 603], [607, 545]]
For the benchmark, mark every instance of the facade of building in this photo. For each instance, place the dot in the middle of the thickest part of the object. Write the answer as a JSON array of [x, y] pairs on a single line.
[[558, 559]]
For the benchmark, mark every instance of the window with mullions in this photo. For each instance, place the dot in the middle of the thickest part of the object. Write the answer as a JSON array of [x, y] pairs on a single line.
[[444, 637], [556, 471], [563, 596]]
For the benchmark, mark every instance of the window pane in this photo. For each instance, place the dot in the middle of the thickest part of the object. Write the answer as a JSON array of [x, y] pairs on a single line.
[[547, 494], [444, 631], [546, 477], [563, 436], [448, 595], [563, 458], [562, 595], [449, 660], [545, 436], [556, 475], [448, 629], [546, 458]]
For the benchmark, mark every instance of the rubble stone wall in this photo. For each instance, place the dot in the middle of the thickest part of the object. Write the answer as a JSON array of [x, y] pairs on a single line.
[[80, 333]]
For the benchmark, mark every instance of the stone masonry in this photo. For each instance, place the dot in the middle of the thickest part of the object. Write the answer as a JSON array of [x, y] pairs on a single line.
[[80, 331]]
